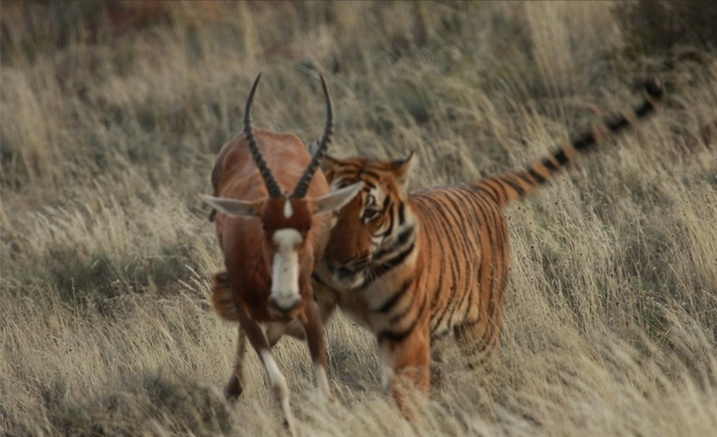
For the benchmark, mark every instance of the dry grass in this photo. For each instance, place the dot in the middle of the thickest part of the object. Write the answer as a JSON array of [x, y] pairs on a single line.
[[110, 121]]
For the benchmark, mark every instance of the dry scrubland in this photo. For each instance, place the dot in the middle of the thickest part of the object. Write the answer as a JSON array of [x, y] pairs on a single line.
[[109, 128]]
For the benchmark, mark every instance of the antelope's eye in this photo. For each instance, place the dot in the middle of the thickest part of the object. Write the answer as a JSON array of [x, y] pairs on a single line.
[[263, 226]]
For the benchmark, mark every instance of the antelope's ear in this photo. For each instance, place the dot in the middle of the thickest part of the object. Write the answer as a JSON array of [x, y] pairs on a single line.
[[337, 199], [234, 207]]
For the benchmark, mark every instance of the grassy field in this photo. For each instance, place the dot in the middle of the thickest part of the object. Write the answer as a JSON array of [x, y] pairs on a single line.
[[111, 116]]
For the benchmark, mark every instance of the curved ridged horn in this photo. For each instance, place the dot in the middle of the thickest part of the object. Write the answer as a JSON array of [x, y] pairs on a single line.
[[303, 185], [271, 185]]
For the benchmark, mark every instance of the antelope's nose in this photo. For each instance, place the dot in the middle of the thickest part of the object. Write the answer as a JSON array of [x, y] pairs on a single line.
[[285, 303]]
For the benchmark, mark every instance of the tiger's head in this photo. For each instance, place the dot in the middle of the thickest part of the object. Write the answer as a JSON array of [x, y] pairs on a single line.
[[377, 226]]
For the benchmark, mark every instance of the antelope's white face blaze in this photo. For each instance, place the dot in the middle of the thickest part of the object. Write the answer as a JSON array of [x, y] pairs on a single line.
[[288, 210], [285, 268]]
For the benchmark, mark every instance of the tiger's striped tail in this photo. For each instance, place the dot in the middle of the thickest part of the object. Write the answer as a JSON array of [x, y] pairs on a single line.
[[514, 185]]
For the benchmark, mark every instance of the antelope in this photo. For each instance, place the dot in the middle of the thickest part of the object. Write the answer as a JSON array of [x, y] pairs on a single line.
[[272, 240]]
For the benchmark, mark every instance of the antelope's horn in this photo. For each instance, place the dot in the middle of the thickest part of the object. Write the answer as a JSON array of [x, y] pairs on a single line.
[[271, 185], [303, 185]]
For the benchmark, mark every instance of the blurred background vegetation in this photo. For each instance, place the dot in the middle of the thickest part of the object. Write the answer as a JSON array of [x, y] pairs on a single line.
[[111, 113]]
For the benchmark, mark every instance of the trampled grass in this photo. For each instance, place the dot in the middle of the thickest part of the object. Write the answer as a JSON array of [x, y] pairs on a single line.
[[110, 119]]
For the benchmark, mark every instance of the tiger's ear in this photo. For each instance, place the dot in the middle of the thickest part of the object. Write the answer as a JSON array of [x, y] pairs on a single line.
[[402, 168], [328, 163]]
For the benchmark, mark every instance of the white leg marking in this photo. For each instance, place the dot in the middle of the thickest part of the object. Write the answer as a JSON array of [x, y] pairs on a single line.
[[322, 382], [285, 271], [278, 384]]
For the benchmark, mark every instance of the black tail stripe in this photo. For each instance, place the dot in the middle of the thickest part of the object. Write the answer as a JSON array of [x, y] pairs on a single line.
[[537, 176], [516, 187], [482, 187], [618, 124], [498, 187], [524, 177], [561, 157], [584, 142], [645, 108], [550, 165]]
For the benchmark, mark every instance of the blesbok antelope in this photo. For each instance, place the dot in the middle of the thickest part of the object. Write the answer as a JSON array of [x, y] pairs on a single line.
[[271, 240]]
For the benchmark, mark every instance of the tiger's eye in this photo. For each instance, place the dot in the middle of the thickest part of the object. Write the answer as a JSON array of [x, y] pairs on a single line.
[[370, 214]]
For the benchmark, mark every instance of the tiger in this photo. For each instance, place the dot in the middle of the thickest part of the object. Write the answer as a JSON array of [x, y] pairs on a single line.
[[414, 267]]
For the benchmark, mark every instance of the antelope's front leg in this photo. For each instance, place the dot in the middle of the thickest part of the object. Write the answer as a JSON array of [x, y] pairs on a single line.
[[315, 339], [234, 387], [277, 381]]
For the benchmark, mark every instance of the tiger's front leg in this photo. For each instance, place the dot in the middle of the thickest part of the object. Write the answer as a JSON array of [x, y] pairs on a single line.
[[405, 368]]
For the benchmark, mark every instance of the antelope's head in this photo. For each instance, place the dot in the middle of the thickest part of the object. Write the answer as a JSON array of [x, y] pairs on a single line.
[[286, 218]]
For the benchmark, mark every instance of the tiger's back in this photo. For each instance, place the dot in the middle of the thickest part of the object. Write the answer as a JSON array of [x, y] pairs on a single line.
[[467, 292]]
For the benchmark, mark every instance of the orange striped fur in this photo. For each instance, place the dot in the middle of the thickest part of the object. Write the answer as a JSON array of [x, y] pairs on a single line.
[[411, 267]]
